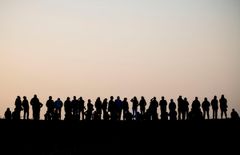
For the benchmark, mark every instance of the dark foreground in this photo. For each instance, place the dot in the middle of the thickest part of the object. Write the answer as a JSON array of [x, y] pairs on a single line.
[[106, 137]]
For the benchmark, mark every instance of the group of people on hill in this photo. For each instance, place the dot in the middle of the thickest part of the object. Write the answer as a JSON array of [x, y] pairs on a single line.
[[119, 109], [23, 105]]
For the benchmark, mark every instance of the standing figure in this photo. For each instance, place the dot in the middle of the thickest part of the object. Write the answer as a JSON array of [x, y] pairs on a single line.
[[119, 108], [58, 104], [153, 108], [81, 108], [18, 108], [214, 104], [172, 110], [185, 108], [36, 107], [163, 108], [125, 108], [134, 106], [142, 105], [223, 106], [205, 107], [89, 112], [68, 109], [25, 106], [50, 109], [98, 107], [180, 107], [196, 113]]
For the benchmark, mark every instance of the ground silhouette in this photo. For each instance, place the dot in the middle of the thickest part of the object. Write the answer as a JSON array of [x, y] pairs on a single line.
[[40, 137], [112, 127]]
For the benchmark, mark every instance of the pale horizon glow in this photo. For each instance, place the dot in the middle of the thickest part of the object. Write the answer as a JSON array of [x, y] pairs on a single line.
[[124, 48]]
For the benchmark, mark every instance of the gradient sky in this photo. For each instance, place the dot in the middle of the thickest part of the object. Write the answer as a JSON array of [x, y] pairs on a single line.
[[129, 48]]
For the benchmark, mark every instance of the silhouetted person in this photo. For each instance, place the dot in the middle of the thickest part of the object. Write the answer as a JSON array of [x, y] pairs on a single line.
[[18, 107], [105, 105], [185, 108], [142, 104], [82, 108], [125, 108], [18, 103], [89, 111], [172, 110], [68, 109], [214, 104], [180, 107], [134, 106], [98, 107], [112, 108], [196, 113], [163, 108], [119, 107], [223, 106], [74, 108], [36, 106], [58, 104], [50, 109], [8, 114], [234, 115], [153, 108], [25, 106], [104, 109], [205, 107]]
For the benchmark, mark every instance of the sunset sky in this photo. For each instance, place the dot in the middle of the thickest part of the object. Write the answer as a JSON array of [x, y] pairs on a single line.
[[124, 48]]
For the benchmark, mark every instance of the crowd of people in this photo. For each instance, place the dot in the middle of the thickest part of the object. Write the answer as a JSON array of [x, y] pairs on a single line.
[[119, 109]]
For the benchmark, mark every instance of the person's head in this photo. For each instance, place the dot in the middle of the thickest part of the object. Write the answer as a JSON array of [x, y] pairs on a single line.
[[35, 96], [215, 97], [171, 100], [24, 97], [196, 98], [50, 97], [162, 97], [205, 99]]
